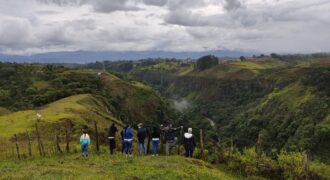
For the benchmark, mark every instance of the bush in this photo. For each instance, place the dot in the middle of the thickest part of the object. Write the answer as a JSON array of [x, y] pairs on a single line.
[[319, 171], [292, 164]]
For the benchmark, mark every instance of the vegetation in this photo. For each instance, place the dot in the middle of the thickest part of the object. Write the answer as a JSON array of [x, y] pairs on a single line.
[[265, 117], [206, 62], [282, 98], [115, 167]]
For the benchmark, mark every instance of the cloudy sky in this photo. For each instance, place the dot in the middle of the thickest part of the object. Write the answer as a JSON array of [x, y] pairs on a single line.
[[34, 26]]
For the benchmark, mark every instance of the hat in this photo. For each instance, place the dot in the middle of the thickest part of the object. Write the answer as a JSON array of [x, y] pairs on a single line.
[[140, 125]]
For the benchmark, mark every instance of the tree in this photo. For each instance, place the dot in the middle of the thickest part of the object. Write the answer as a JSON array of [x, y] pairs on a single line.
[[242, 58], [206, 62]]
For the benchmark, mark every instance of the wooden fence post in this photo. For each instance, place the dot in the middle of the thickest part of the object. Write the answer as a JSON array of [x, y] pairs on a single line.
[[29, 143], [258, 149], [40, 144], [17, 148], [201, 144], [231, 147], [68, 132], [180, 140], [96, 137], [305, 160], [149, 139], [57, 147]]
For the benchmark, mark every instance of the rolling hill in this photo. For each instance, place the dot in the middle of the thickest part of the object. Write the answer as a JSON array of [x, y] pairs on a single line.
[[283, 100]]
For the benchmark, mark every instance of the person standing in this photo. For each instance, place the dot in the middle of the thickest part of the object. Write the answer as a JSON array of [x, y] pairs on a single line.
[[128, 140], [170, 137], [155, 136], [189, 143], [112, 137], [142, 135], [84, 142]]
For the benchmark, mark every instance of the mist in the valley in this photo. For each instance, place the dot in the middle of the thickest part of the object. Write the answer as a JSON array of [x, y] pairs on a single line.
[[181, 104]]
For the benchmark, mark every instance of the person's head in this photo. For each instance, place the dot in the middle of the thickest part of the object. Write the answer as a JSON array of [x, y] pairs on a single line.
[[190, 130], [84, 131], [113, 125], [155, 129], [140, 125]]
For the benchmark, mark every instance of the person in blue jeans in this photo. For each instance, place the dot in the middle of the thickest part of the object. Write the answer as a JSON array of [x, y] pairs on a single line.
[[84, 142], [155, 136], [128, 140]]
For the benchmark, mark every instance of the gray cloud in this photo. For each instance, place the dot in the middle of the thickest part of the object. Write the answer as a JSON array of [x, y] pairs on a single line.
[[155, 2], [232, 4], [61, 2], [98, 5], [113, 5], [173, 25]]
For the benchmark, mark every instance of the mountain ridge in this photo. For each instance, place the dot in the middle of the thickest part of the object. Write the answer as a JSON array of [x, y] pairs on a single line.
[[92, 56]]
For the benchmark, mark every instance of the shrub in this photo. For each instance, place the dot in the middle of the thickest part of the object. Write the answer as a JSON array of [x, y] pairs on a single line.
[[291, 163]]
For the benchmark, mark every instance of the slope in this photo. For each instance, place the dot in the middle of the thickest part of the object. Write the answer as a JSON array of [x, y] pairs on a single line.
[[115, 167], [81, 110]]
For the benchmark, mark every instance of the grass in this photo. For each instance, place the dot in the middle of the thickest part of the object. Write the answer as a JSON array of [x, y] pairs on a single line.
[[115, 167], [78, 108], [4, 111]]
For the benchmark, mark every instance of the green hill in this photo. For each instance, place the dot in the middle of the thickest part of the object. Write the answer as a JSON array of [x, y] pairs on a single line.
[[80, 109], [283, 99], [25, 87], [115, 167]]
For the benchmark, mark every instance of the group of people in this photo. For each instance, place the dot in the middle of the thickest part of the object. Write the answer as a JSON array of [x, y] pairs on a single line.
[[143, 136]]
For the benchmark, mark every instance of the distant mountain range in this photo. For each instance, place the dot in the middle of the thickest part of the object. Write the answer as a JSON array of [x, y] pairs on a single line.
[[91, 56]]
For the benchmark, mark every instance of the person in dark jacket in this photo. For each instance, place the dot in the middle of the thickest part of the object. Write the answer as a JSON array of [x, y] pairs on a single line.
[[155, 137], [142, 135], [112, 137], [170, 137], [189, 143]]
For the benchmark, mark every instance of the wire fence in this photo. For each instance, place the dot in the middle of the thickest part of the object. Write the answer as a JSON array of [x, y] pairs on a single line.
[[64, 138]]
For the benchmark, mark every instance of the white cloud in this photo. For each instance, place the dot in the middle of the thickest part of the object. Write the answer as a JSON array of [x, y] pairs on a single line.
[[171, 25]]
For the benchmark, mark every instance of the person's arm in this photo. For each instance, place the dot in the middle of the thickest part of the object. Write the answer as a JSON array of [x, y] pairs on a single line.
[[88, 140]]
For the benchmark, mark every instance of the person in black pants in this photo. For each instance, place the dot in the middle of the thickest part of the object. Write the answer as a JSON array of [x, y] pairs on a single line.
[[112, 137], [189, 143]]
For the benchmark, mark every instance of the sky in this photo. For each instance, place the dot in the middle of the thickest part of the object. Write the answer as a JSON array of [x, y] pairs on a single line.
[[282, 26]]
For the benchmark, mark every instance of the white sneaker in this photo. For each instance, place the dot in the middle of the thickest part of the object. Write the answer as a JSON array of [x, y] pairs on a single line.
[[153, 155]]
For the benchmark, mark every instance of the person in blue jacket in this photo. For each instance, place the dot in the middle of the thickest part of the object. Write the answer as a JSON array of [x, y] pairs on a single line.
[[128, 140], [84, 142]]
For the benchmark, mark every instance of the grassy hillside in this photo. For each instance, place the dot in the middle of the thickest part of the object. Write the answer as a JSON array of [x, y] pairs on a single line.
[[80, 109], [115, 167], [24, 87]]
